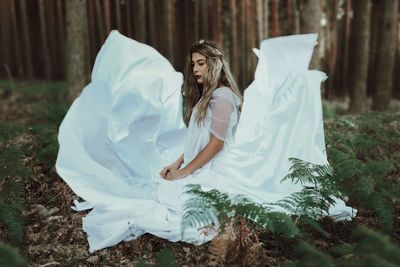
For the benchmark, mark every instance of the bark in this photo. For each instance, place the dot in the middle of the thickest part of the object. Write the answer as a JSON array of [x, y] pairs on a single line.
[[290, 28], [330, 58], [44, 42], [16, 41], [196, 18], [153, 37], [107, 17], [339, 80], [99, 20], [128, 18], [265, 11], [358, 65], [242, 43], [166, 36], [139, 20], [76, 21], [60, 35], [28, 62], [216, 22], [251, 28], [259, 21], [117, 5], [227, 30], [204, 22], [93, 41], [5, 33], [234, 63], [310, 22], [52, 36], [385, 56], [275, 18]]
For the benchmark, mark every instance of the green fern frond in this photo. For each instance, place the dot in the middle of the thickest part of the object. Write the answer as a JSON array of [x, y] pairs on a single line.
[[10, 256]]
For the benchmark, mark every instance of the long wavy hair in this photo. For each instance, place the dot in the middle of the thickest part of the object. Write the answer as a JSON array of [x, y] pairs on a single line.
[[218, 72]]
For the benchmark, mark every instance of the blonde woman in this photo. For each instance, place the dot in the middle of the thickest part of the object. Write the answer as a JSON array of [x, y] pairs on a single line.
[[212, 106], [121, 133]]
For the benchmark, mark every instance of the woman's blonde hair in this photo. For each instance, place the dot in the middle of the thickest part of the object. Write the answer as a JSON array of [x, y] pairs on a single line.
[[218, 73]]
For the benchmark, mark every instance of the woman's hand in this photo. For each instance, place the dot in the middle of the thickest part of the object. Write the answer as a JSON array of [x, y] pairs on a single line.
[[167, 169], [175, 175]]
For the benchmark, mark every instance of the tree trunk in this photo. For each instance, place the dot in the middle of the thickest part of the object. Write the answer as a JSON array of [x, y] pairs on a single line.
[[234, 63], [153, 30], [259, 21], [52, 36], [60, 28], [5, 33], [385, 56], [275, 18], [26, 39], [339, 80], [204, 23], [99, 20], [16, 41], [265, 10], [44, 45], [251, 28], [139, 21], [117, 5], [358, 65], [310, 22], [107, 17], [227, 30], [75, 58]]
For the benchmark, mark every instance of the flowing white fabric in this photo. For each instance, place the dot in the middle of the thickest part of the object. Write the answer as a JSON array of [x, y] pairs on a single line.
[[127, 125]]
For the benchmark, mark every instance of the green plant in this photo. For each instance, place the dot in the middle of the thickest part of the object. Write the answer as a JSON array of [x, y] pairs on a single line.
[[363, 151], [205, 208], [10, 256], [370, 249]]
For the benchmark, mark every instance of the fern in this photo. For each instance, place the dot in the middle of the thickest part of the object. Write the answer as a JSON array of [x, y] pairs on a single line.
[[47, 145], [370, 249], [362, 152], [213, 207], [10, 256]]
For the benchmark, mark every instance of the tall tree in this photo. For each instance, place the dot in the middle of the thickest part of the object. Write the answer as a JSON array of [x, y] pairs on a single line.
[[265, 10], [310, 22], [275, 28], [44, 44], [16, 40], [27, 52], [5, 34], [75, 58], [385, 56], [358, 65], [60, 28], [139, 21]]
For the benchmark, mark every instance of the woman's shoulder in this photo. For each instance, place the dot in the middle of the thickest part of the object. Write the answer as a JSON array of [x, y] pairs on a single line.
[[227, 94]]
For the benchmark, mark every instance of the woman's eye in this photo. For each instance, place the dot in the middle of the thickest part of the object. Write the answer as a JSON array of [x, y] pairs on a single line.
[[201, 64]]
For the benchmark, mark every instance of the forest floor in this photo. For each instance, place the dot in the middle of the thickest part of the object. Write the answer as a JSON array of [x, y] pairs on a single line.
[[53, 234]]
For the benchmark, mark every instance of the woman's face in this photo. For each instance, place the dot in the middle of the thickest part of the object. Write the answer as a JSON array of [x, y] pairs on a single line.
[[199, 66]]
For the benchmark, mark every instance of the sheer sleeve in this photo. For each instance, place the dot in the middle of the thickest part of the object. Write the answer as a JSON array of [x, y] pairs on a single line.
[[222, 107]]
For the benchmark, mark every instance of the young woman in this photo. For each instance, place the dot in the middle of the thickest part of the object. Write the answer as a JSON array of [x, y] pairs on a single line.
[[127, 125], [212, 106]]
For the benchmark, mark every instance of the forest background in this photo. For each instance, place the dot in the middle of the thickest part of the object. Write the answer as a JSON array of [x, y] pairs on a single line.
[[359, 42], [48, 48]]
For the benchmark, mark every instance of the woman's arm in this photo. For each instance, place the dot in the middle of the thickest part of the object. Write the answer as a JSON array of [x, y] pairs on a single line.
[[205, 155]]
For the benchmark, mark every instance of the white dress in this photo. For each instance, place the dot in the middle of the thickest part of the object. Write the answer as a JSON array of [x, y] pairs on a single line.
[[127, 125]]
